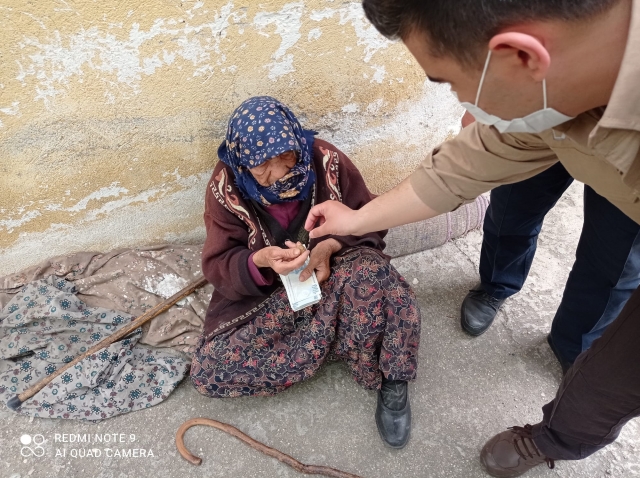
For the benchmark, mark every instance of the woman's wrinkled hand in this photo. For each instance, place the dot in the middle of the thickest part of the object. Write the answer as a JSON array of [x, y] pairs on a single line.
[[281, 260], [320, 260]]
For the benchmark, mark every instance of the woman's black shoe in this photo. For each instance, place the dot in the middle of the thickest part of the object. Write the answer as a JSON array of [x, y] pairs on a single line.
[[393, 413]]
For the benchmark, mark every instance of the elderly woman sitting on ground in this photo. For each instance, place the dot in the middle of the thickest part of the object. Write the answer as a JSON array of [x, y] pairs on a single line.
[[270, 173]]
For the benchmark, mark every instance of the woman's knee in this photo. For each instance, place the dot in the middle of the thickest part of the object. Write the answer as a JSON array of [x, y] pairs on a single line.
[[369, 258]]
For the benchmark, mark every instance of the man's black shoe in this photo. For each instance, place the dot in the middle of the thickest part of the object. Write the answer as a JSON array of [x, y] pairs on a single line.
[[478, 311], [393, 413], [563, 363]]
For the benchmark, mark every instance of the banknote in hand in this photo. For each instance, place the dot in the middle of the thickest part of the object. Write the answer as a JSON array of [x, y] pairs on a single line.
[[301, 294]]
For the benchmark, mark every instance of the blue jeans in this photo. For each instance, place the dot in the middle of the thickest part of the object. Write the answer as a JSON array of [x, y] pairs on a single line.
[[607, 266]]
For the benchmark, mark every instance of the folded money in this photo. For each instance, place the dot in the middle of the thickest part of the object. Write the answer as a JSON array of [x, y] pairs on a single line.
[[301, 294]]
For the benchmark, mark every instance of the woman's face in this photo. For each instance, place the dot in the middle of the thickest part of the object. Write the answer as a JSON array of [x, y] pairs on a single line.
[[275, 168]]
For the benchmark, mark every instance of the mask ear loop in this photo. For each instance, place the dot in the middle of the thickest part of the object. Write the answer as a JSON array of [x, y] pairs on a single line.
[[484, 73], [544, 92]]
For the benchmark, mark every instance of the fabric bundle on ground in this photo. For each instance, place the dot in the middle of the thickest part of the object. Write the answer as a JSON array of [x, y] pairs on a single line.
[[45, 326], [437, 231], [132, 281]]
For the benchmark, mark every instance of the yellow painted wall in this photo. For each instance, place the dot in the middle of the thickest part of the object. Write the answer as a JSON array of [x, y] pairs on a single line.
[[111, 111]]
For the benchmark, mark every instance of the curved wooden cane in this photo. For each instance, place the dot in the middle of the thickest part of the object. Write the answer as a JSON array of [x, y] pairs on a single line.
[[272, 452]]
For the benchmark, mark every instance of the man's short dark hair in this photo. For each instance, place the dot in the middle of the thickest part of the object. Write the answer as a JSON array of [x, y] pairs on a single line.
[[463, 28]]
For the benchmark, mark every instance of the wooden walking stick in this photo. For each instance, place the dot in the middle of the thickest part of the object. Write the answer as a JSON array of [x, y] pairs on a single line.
[[19, 399], [272, 452]]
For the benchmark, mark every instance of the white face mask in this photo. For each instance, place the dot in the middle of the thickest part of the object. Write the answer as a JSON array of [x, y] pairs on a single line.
[[535, 122]]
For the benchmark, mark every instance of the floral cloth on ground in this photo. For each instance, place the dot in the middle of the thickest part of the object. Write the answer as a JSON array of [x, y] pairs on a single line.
[[45, 326]]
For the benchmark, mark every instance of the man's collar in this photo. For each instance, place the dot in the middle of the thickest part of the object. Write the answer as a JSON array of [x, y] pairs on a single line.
[[623, 110]]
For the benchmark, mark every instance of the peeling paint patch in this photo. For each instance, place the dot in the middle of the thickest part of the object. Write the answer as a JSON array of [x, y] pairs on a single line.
[[350, 108], [380, 73], [126, 201], [51, 61], [314, 34], [287, 22], [435, 114], [101, 193], [11, 110], [11, 224], [124, 227], [374, 107], [367, 35], [56, 60], [81, 205]]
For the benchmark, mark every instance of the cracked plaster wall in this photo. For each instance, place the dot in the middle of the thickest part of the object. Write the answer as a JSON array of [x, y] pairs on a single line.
[[111, 112]]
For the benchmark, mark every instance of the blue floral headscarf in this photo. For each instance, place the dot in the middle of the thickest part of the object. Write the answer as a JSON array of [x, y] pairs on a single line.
[[260, 129]]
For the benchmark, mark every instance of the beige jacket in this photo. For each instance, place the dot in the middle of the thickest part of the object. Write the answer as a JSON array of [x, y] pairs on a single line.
[[600, 148]]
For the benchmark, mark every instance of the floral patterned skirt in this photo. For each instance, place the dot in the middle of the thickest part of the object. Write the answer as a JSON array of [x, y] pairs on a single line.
[[368, 318]]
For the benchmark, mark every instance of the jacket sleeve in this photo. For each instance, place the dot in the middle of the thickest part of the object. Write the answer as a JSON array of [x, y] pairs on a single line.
[[355, 194], [476, 161], [226, 253]]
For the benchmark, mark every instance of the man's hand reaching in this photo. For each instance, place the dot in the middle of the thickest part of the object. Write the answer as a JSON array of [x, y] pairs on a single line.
[[331, 217], [399, 206]]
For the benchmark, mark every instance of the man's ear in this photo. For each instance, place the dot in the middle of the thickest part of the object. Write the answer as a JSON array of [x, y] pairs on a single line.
[[525, 50]]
